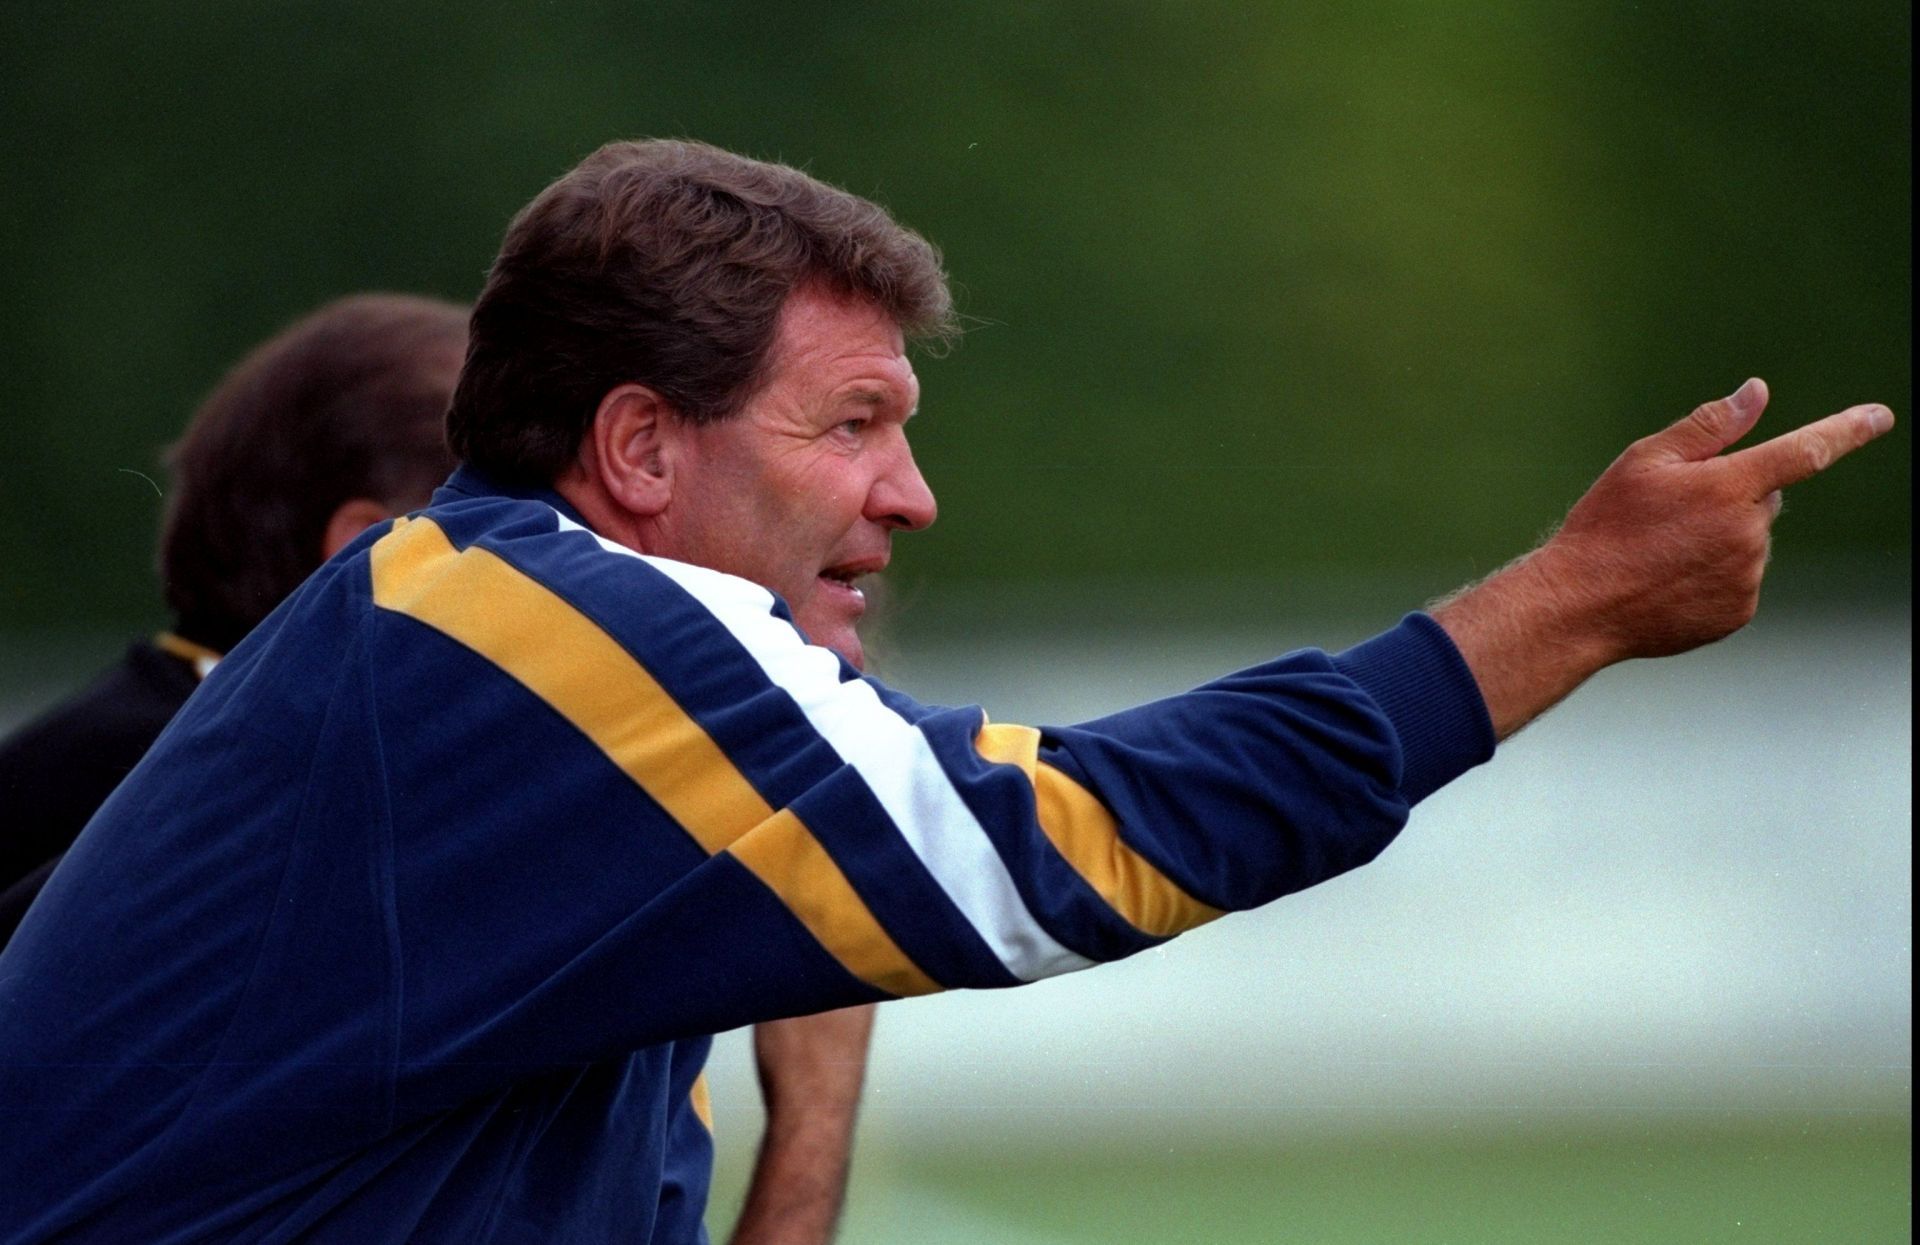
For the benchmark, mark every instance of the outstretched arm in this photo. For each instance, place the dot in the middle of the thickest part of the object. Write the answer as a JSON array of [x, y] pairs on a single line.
[[810, 1069], [1664, 553]]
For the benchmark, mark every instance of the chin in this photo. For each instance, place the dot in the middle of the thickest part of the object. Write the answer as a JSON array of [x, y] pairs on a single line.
[[848, 646], [841, 639], [831, 629]]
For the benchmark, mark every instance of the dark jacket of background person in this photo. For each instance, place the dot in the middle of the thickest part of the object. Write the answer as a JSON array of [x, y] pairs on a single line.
[[59, 768], [331, 425]]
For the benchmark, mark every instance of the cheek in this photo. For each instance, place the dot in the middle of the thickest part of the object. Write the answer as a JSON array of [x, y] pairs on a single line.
[[788, 552], [794, 523], [812, 519]]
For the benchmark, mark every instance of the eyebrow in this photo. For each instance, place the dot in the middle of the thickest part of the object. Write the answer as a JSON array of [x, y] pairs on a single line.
[[876, 395]]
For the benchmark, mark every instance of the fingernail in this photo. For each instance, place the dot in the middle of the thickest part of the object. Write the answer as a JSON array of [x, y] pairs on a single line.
[[1879, 418], [1743, 399]]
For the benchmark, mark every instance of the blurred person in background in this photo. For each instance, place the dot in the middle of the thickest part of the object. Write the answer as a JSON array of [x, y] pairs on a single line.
[[335, 424], [579, 764], [328, 428]]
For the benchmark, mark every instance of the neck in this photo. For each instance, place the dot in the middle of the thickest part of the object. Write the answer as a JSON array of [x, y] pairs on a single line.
[[605, 515]]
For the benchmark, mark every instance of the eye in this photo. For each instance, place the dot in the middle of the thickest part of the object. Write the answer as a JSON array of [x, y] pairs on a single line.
[[852, 427]]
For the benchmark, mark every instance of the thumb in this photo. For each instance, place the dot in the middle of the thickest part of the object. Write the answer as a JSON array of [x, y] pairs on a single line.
[[1713, 426]]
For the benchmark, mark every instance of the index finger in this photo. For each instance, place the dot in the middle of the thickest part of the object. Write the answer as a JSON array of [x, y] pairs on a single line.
[[1806, 452]]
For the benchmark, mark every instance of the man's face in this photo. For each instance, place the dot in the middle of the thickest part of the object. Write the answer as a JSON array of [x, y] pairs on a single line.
[[802, 490]]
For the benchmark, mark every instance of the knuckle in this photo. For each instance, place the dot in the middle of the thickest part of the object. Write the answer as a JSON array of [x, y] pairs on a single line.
[[1708, 417]]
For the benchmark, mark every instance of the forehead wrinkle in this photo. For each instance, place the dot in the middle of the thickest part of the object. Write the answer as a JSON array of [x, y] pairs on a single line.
[[877, 379], [840, 350]]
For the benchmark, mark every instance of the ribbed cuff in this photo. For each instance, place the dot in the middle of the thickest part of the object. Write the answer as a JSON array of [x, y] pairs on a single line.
[[1420, 681]]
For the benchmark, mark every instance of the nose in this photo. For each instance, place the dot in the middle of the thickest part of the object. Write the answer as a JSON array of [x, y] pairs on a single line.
[[900, 498]]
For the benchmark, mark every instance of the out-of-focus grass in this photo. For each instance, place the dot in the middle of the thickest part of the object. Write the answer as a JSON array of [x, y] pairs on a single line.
[[1775, 1178]]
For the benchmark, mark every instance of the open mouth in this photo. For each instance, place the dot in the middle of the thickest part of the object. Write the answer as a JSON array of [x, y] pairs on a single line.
[[844, 579]]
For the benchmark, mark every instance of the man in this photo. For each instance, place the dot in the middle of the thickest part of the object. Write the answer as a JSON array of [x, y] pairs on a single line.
[[556, 783], [333, 425]]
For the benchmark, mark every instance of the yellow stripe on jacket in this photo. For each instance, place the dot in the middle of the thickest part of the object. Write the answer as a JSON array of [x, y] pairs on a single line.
[[533, 635], [1087, 837]]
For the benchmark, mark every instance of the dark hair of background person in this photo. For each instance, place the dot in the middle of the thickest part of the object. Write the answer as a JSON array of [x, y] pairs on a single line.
[[350, 401], [665, 263]]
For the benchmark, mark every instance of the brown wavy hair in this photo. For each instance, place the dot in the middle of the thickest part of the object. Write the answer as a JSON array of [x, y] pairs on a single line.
[[347, 402], [665, 263]]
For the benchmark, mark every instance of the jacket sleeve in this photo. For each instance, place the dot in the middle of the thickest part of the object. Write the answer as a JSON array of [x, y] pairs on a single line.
[[1133, 828], [995, 854]]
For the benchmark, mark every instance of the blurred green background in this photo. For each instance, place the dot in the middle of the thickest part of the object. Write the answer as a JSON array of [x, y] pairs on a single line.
[[1260, 292], [1281, 315]]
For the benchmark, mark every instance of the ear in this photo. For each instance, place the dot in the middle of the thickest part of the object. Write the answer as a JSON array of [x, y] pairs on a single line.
[[349, 519], [628, 446]]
